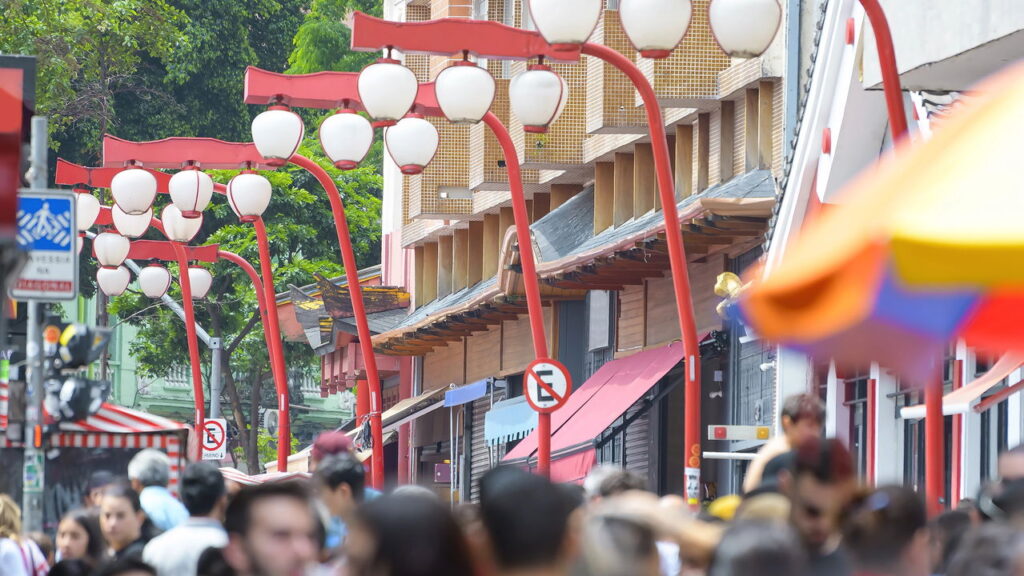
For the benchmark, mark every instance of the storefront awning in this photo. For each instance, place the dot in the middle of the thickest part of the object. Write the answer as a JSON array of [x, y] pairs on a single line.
[[412, 408], [114, 419], [466, 394], [595, 406], [959, 401], [509, 420]]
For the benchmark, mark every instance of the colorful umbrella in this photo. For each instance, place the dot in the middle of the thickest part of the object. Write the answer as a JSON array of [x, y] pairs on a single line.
[[924, 248]]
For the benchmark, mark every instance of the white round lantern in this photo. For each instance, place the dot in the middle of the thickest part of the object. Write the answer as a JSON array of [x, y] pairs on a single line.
[[465, 92], [200, 281], [113, 281], [87, 210], [277, 134], [178, 228], [191, 191], [744, 28], [387, 90], [655, 27], [134, 190], [537, 97], [249, 195], [412, 144], [79, 243], [131, 225], [111, 249], [346, 138], [566, 23], [154, 280]]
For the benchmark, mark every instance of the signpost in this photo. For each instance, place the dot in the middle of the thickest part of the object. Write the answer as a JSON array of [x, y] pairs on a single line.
[[214, 439], [547, 385], [47, 232]]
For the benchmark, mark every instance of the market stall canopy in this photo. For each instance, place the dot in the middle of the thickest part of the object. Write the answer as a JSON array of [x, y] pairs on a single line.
[[922, 249]]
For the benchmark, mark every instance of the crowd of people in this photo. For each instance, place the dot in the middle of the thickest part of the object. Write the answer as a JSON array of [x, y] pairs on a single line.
[[803, 513]]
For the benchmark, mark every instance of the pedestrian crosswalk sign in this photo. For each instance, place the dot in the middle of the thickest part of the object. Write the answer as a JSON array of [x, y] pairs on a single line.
[[47, 233]]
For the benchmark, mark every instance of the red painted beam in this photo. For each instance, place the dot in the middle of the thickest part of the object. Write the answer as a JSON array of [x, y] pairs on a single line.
[[163, 250], [71, 174], [175, 153]]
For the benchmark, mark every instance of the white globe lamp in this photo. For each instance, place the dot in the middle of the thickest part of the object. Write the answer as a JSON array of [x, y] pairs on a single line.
[[655, 27], [277, 134], [387, 91], [465, 92], [744, 28], [565, 24], [200, 281], [249, 195], [177, 228], [131, 225], [537, 97], [191, 191], [346, 138], [412, 144], [87, 210], [154, 280], [111, 249], [113, 281], [134, 190]]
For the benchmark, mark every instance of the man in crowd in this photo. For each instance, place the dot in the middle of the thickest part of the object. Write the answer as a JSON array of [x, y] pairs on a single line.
[[803, 418], [532, 524], [176, 552], [272, 530], [820, 489], [150, 472], [98, 481], [340, 485]]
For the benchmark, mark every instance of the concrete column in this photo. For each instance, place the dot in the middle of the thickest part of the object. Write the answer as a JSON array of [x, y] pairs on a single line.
[[1014, 413], [888, 429], [793, 375]]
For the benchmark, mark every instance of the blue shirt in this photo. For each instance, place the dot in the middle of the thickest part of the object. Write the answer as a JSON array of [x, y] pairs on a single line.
[[163, 509], [336, 529]]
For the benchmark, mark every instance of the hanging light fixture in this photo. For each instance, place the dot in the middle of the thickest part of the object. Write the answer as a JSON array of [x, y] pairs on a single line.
[[744, 28], [387, 90], [154, 280], [131, 225], [134, 190], [191, 191], [178, 228], [464, 92], [87, 210], [346, 138], [412, 143], [113, 281], [277, 134], [537, 97], [249, 195], [200, 279], [655, 27], [111, 249], [565, 24]]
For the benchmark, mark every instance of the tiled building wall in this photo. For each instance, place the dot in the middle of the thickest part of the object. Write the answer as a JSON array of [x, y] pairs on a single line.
[[611, 97]]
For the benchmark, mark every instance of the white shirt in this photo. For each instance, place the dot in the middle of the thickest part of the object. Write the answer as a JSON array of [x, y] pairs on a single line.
[[176, 552], [24, 559]]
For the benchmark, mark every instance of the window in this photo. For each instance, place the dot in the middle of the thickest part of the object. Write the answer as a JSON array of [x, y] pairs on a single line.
[[857, 402], [480, 9]]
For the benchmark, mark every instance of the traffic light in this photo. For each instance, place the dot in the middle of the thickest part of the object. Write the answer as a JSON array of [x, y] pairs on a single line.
[[71, 396]]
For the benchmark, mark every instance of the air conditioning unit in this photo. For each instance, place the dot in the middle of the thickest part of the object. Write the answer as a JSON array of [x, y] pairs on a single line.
[[270, 421]]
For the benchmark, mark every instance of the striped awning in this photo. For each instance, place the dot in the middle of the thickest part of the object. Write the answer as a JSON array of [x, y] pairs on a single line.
[[114, 419]]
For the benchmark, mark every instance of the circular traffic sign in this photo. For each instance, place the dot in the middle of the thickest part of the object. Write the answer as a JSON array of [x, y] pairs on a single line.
[[213, 435], [547, 385]]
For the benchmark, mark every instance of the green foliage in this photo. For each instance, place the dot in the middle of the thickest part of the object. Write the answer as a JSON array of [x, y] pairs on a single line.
[[323, 40], [266, 448]]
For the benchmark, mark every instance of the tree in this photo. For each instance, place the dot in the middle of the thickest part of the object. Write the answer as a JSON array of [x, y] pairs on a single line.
[[323, 40]]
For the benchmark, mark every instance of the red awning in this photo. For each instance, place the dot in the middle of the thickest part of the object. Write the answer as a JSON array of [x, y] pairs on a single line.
[[961, 400], [120, 420], [594, 407]]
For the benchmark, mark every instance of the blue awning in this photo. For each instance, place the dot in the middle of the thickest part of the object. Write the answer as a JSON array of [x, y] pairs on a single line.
[[466, 394], [509, 420]]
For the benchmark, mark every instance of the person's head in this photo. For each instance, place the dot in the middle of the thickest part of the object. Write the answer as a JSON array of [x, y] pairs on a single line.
[[803, 417], [272, 530], [1011, 464], [619, 481], [406, 535], [79, 537], [946, 531], [596, 476], [766, 507], [819, 490], [618, 543], [330, 443], [761, 548], [994, 549], [126, 567], [886, 533], [529, 520], [76, 567], [203, 491], [10, 518], [414, 490], [150, 467], [45, 544], [121, 516], [340, 483], [98, 481]]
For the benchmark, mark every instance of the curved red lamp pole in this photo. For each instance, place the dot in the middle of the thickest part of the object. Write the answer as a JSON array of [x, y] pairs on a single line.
[[890, 73], [348, 258], [193, 344]]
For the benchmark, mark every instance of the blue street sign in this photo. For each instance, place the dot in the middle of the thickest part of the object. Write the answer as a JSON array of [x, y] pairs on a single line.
[[47, 232]]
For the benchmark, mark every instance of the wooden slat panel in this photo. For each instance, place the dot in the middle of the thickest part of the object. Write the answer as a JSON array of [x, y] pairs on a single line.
[[623, 189], [445, 265], [703, 150], [541, 205], [645, 182], [727, 144], [662, 317], [460, 255], [428, 283], [483, 354], [632, 328], [475, 263], [517, 343], [418, 275], [764, 126], [604, 196], [491, 245], [684, 160], [561, 193], [444, 366]]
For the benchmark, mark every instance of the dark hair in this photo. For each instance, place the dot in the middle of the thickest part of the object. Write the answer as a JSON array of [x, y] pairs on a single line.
[[338, 469], [826, 460], [949, 529], [239, 512], [100, 479], [125, 566], [881, 524], [762, 548], [96, 548], [74, 567], [202, 486], [414, 536], [575, 493], [615, 545], [122, 490], [526, 516], [212, 563], [994, 549], [620, 481], [801, 406]]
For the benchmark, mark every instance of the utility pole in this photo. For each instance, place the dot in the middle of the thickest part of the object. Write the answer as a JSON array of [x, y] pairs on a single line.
[[33, 469]]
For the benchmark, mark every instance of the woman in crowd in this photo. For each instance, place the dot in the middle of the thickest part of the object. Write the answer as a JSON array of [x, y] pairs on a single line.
[[122, 522], [886, 533], [764, 548], [18, 556], [79, 538], [995, 549]]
